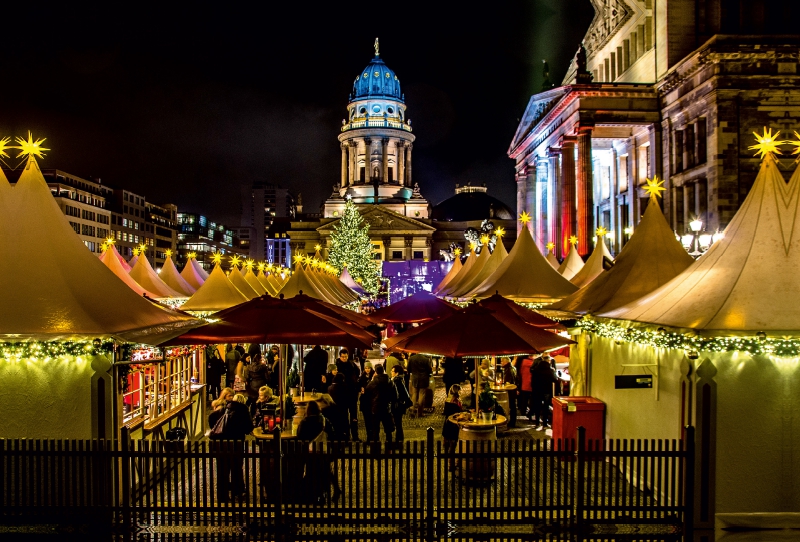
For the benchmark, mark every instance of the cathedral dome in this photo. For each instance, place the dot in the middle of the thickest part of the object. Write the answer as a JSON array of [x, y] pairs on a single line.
[[376, 81], [467, 205]]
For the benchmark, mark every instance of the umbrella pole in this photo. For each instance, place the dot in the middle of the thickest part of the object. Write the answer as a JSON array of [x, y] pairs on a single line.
[[302, 372], [477, 379]]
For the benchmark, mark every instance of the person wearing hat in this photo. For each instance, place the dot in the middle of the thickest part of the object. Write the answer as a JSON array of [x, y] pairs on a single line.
[[543, 376], [365, 402], [351, 372]]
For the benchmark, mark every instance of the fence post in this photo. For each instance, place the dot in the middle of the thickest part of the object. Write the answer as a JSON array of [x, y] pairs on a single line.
[[580, 459], [688, 484], [124, 487], [430, 509]]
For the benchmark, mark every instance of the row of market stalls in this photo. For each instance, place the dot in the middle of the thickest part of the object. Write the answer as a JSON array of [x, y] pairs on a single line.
[[716, 338]]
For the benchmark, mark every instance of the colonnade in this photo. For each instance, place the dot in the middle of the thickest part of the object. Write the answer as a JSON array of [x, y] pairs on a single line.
[[372, 150]]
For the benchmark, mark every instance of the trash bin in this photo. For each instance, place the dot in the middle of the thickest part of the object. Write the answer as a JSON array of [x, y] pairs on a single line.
[[571, 412]]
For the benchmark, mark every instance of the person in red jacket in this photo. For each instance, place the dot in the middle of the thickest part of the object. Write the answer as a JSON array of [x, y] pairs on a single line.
[[523, 367]]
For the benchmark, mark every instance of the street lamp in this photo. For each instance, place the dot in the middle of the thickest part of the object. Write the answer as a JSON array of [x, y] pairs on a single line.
[[697, 242]]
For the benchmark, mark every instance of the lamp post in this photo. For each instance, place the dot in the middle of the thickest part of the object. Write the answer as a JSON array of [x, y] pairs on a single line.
[[697, 241]]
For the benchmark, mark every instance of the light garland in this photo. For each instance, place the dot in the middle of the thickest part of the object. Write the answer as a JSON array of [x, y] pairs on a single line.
[[45, 350], [755, 345]]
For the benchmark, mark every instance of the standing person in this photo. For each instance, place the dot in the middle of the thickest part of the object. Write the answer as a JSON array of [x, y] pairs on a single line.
[[543, 376], [382, 396], [351, 373], [453, 372], [273, 363], [232, 359], [317, 478], [392, 359], [215, 368], [402, 403], [510, 377], [524, 364], [452, 405], [230, 458], [256, 377], [419, 366], [365, 402], [314, 365], [338, 392]]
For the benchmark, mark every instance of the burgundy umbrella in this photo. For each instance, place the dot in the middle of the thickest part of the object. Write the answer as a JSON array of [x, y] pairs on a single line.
[[476, 331], [507, 308], [331, 310], [420, 307]]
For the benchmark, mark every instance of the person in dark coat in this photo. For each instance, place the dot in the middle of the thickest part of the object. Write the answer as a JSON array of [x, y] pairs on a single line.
[[365, 402], [402, 403], [230, 457], [453, 372], [215, 368], [232, 359], [338, 416], [419, 365], [256, 378], [381, 395], [351, 372], [543, 376], [452, 405], [510, 377], [317, 478], [273, 361], [314, 366]]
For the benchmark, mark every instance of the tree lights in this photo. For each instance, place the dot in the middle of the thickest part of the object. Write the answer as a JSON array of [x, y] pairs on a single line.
[[351, 246]]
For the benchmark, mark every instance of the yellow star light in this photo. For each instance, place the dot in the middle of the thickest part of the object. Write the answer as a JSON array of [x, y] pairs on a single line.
[[4, 145], [143, 248], [261, 266], [235, 261], [484, 239], [654, 187], [136, 251], [216, 258], [766, 143], [269, 266], [104, 247], [457, 251], [551, 246], [601, 232], [499, 232], [789, 142], [30, 147], [573, 240], [298, 258], [249, 264], [111, 241], [473, 245], [168, 253], [317, 247], [192, 255], [524, 217]]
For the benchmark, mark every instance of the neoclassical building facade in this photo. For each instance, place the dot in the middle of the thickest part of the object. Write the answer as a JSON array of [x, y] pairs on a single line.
[[658, 88]]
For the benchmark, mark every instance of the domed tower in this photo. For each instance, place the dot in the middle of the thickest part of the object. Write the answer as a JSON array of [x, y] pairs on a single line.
[[376, 143]]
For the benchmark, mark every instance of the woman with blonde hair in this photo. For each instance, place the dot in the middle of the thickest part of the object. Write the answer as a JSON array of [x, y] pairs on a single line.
[[265, 405]]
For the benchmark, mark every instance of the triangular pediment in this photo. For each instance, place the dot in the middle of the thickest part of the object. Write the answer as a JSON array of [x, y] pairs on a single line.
[[382, 220], [538, 106]]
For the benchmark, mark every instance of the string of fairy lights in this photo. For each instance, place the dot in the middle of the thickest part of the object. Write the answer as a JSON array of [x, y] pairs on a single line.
[[51, 350]]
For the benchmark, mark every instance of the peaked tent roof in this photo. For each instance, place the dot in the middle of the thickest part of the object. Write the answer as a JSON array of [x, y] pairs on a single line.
[[348, 294], [571, 265], [489, 267], [75, 296], [169, 274], [262, 278], [132, 261], [238, 280], [465, 269], [347, 280], [216, 293], [454, 269], [107, 253], [553, 260], [651, 258], [455, 290], [4, 184], [526, 276], [276, 282], [299, 282], [191, 275], [747, 281], [594, 264], [254, 283], [199, 268], [335, 297], [145, 275], [110, 261]]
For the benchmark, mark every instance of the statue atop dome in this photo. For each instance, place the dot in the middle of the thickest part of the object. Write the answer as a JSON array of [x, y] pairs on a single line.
[[377, 48]]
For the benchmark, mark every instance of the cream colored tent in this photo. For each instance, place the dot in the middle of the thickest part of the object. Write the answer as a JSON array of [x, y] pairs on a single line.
[[489, 267], [216, 293], [552, 259], [262, 278], [110, 260], [76, 295], [276, 280], [455, 290], [347, 280], [300, 281], [132, 261], [254, 283], [169, 274], [651, 258], [594, 264], [145, 275], [571, 265], [108, 253], [465, 270], [338, 286], [526, 276], [238, 280], [456, 267], [191, 273], [747, 281]]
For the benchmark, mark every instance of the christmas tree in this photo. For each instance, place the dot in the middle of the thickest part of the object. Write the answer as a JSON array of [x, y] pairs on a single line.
[[351, 247]]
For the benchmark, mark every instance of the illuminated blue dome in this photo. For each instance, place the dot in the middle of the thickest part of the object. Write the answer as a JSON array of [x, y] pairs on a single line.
[[376, 81]]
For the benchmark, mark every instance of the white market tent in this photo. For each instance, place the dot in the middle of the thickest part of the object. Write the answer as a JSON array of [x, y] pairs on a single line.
[[301, 282], [454, 290], [216, 293], [116, 254], [110, 260], [500, 253], [747, 281], [463, 272], [132, 261], [456, 267], [571, 265], [526, 276], [347, 280], [192, 273], [169, 274], [651, 258], [145, 275], [262, 278], [76, 295], [594, 264], [254, 283], [552, 259], [237, 279]]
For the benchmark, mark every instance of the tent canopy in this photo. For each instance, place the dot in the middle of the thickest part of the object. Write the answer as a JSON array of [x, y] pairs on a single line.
[[145, 275], [347, 280], [463, 272], [594, 264], [216, 293], [456, 267], [571, 265], [500, 253], [169, 274], [110, 260]]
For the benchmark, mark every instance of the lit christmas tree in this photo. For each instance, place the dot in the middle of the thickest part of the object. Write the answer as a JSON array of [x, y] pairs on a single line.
[[351, 247]]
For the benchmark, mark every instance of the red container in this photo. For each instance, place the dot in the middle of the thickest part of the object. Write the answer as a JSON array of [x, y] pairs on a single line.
[[571, 412]]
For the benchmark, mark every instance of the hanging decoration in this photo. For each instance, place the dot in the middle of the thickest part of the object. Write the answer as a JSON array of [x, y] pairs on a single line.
[[48, 350]]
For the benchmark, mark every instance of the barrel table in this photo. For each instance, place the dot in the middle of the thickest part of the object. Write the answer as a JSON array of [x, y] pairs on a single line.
[[472, 433]]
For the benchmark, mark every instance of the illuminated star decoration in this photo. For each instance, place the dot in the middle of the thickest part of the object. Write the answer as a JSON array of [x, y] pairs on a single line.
[[484, 239], [654, 187], [192, 255], [4, 145], [766, 143], [143, 249], [235, 261], [601, 232], [168, 252], [499, 232], [216, 258], [551, 246], [573, 240], [457, 251], [317, 247], [136, 251], [524, 217], [261, 266], [787, 142], [473, 245], [249, 264], [111, 241], [30, 147]]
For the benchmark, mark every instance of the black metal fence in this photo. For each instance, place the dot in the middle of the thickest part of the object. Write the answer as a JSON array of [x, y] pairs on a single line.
[[419, 490]]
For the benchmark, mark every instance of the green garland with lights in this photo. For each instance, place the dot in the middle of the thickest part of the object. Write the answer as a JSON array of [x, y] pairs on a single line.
[[352, 247], [662, 338], [53, 349]]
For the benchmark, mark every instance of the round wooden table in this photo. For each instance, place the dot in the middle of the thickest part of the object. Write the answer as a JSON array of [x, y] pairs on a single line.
[[292, 466], [478, 469], [501, 393], [301, 401]]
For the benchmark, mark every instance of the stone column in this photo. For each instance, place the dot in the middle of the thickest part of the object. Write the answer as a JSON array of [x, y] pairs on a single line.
[[344, 165], [385, 160], [585, 191], [353, 162], [409, 244], [400, 157], [522, 198], [614, 182], [408, 164], [542, 195], [530, 197], [554, 179], [569, 225]]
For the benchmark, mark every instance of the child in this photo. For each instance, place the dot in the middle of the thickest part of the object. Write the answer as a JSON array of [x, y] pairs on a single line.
[[452, 405]]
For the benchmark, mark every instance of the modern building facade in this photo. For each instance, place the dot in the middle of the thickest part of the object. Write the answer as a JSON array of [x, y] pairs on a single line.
[[198, 234], [262, 203], [668, 89]]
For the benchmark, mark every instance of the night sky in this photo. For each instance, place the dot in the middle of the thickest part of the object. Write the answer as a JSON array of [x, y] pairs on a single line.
[[185, 105]]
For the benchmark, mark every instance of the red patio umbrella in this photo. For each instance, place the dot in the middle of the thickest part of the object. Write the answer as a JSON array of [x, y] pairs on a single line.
[[331, 310], [507, 308], [420, 307]]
